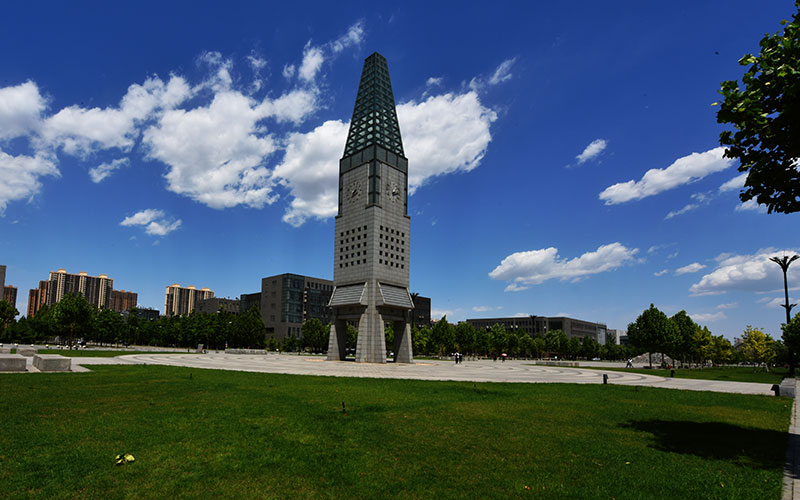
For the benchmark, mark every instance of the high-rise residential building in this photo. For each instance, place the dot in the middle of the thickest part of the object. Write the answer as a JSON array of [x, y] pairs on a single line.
[[183, 300], [121, 300], [2, 280], [372, 238], [10, 295], [96, 289], [287, 300], [37, 298]]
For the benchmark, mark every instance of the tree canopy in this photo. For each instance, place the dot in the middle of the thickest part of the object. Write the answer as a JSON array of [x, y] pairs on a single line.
[[766, 117], [653, 332]]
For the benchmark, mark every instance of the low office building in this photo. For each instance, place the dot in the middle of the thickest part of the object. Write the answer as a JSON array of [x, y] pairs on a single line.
[[287, 300], [421, 314], [537, 326], [180, 300], [214, 305], [248, 300]]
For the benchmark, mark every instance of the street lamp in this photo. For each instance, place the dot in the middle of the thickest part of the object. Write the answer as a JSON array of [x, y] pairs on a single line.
[[784, 262]]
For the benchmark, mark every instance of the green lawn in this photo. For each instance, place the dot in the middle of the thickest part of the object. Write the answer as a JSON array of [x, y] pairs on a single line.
[[217, 434], [730, 373]]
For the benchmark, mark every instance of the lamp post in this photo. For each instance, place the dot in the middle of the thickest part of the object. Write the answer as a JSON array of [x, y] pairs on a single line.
[[784, 263]]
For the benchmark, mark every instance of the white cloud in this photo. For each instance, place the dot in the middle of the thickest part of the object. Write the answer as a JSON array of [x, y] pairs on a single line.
[[687, 208], [312, 62], [520, 315], [153, 220], [21, 107], [444, 134], [682, 171], [734, 184], [103, 170], [256, 63], [754, 273], [661, 272], [289, 71], [309, 170], [434, 81], [80, 131], [778, 302], [691, 268], [486, 308], [294, 106], [707, 317], [20, 176], [751, 205], [503, 72], [534, 267], [729, 305], [215, 153], [142, 218], [353, 37], [592, 150]]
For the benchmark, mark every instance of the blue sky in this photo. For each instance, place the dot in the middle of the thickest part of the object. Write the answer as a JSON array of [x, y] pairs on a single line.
[[563, 158]]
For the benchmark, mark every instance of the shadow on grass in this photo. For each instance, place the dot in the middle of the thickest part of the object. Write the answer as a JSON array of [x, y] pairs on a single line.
[[744, 446]]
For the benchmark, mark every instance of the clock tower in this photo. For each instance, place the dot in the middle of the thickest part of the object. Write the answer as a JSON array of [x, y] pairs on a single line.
[[371, 248]]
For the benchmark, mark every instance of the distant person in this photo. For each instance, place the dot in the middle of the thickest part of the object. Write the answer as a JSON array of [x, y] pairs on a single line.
[[630, 364]]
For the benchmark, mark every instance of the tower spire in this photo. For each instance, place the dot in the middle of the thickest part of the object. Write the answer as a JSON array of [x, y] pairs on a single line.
[[374, 119]]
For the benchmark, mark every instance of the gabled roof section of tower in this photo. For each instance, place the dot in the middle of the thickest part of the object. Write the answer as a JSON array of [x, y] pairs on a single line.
[[374, 117]]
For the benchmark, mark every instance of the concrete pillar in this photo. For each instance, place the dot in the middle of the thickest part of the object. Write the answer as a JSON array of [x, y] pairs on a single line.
[[338, 339], [371, 345], [403, 348]]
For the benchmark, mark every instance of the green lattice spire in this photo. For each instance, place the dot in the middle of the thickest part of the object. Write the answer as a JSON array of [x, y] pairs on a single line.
[[374, 116]]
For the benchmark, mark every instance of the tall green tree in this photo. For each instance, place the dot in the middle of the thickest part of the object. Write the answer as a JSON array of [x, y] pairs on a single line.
[[681, 347], [315, 334], [756, 346], [556, 342], [108, 326], [702, 345], [465, 337], [7, 315], [442, 337], [791, 334], [653, 332], [766, 117], [72, 317]]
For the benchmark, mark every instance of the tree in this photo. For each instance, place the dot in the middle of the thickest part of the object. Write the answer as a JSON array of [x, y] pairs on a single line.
[[465, 337], [442, 338], [555, 342], [682, 342], [652, 331], [766, 116], [573, 347], [315, 334], [791, 334], [108, 326], [721, 350], [72, 316], [702, 344], [756, 346], [7, 315]]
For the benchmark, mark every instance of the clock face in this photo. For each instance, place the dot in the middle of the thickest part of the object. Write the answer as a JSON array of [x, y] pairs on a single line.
[[393, 191], [353, 191]]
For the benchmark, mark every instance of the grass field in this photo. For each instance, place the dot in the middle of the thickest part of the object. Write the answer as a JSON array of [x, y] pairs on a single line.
[[729, 373], [216, 434]]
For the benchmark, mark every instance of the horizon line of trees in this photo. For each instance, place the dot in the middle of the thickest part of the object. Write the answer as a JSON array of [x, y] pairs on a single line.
[[678, 336]]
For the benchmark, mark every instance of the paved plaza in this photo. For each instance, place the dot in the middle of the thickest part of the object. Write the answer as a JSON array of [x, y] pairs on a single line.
[[521, 371]]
